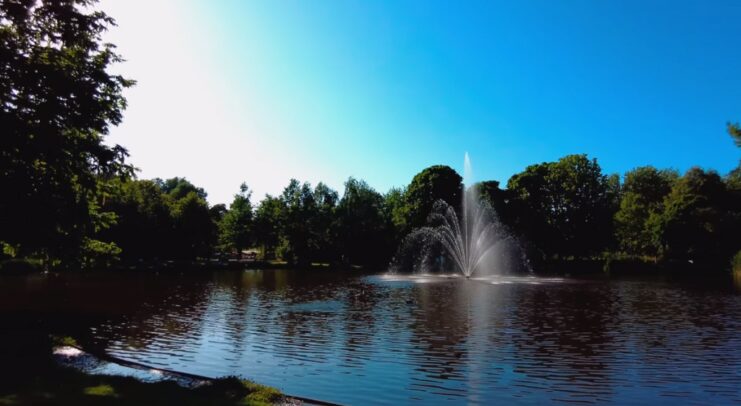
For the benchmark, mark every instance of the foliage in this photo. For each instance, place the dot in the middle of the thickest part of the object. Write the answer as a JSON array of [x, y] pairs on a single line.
[[192, 227], [734, 130], [396, 212], [235, 226], [736, 262], [699, 220], [438, 182], [268, 224], [178, 188], [57, 101], [362, 226], [564, 207], [302, 234], [643, 193]]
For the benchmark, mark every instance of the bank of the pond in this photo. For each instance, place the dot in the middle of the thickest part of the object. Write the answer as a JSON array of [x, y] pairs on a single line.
[[68, 353], [39, 378], [62, 377]]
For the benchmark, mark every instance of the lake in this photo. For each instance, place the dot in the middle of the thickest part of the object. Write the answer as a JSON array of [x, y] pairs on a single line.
[[381, 339]]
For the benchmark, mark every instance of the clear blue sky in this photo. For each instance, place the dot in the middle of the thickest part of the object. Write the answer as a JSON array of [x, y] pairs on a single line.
[[262, 91]]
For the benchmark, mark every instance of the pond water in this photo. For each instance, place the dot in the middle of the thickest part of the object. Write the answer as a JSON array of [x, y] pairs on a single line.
[[377, 339]]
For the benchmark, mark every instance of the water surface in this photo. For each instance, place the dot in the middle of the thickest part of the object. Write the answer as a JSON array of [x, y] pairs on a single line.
[[372, 339]]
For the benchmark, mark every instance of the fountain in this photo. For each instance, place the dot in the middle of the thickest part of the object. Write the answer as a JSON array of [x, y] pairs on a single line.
[[477, 242]]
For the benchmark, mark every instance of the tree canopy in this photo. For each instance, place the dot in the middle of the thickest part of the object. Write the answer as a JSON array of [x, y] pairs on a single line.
[[57, 102]]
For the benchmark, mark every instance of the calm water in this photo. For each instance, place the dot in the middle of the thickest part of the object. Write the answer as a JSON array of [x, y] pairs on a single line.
[[368, 339]]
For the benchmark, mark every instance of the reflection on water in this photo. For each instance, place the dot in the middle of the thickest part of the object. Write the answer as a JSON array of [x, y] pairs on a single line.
[[435, 339]]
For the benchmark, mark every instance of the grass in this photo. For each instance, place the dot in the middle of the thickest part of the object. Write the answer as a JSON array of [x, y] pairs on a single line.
[[67, 386], [33, 377]]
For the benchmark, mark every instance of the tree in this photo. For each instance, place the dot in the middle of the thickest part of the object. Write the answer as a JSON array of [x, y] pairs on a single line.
[[57, 102], [178, 188], [734, 130], [193, 227], [268, 224], [733, 179], [564, 207], [236, 225], [699, 221], [299, 242], [433, 183], [644, 190], [362, 229], [144, 225], [490, 192], [396, 213], [322, 222]]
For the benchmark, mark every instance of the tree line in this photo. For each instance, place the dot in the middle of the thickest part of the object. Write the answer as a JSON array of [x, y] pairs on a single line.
[[70, 200]]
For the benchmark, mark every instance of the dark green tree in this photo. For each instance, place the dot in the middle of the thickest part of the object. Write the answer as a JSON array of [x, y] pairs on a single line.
[[57, 102], [490, 192], [734, 130], [362, 228], [268, 224], [563, 207], [236, 226], [178, 188], [322, 222], [396, 214], [733, 179], [299, 239], [144, 226], [192, 227], [699, 221], [432, 184], [643, 193]]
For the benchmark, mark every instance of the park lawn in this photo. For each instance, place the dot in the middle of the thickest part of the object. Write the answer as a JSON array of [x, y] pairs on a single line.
[[33, 376], [68, 386]]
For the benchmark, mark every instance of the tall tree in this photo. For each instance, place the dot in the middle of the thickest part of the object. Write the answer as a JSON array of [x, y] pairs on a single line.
[[733, 178], [699, 221], [300, 208], [178, 188], [57, 102], [362, 229], [734, 130], [236, 225], [144, 225], [644, 190], [193, 227], [438, 182], [322, 222], [564, 207], [268, 224]]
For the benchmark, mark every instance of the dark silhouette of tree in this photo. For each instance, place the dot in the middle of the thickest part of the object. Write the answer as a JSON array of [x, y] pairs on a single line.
[[178, 188], [433, 183], [57, 102], [643, 193], [362, 228], [564, 207], [236, 226], [734, 130], [268, 224], [300, 206], [699, 221]]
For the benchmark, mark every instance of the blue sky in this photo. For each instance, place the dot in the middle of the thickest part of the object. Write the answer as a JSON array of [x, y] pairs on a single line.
[[262, 91]]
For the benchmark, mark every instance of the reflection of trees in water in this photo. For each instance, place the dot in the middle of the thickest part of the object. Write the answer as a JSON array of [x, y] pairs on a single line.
[[441, 325], [562, 338], [167, 307], [684, 332]]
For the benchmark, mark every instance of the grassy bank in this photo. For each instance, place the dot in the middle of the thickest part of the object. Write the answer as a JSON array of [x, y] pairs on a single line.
[[67, 386], [31, 375]]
